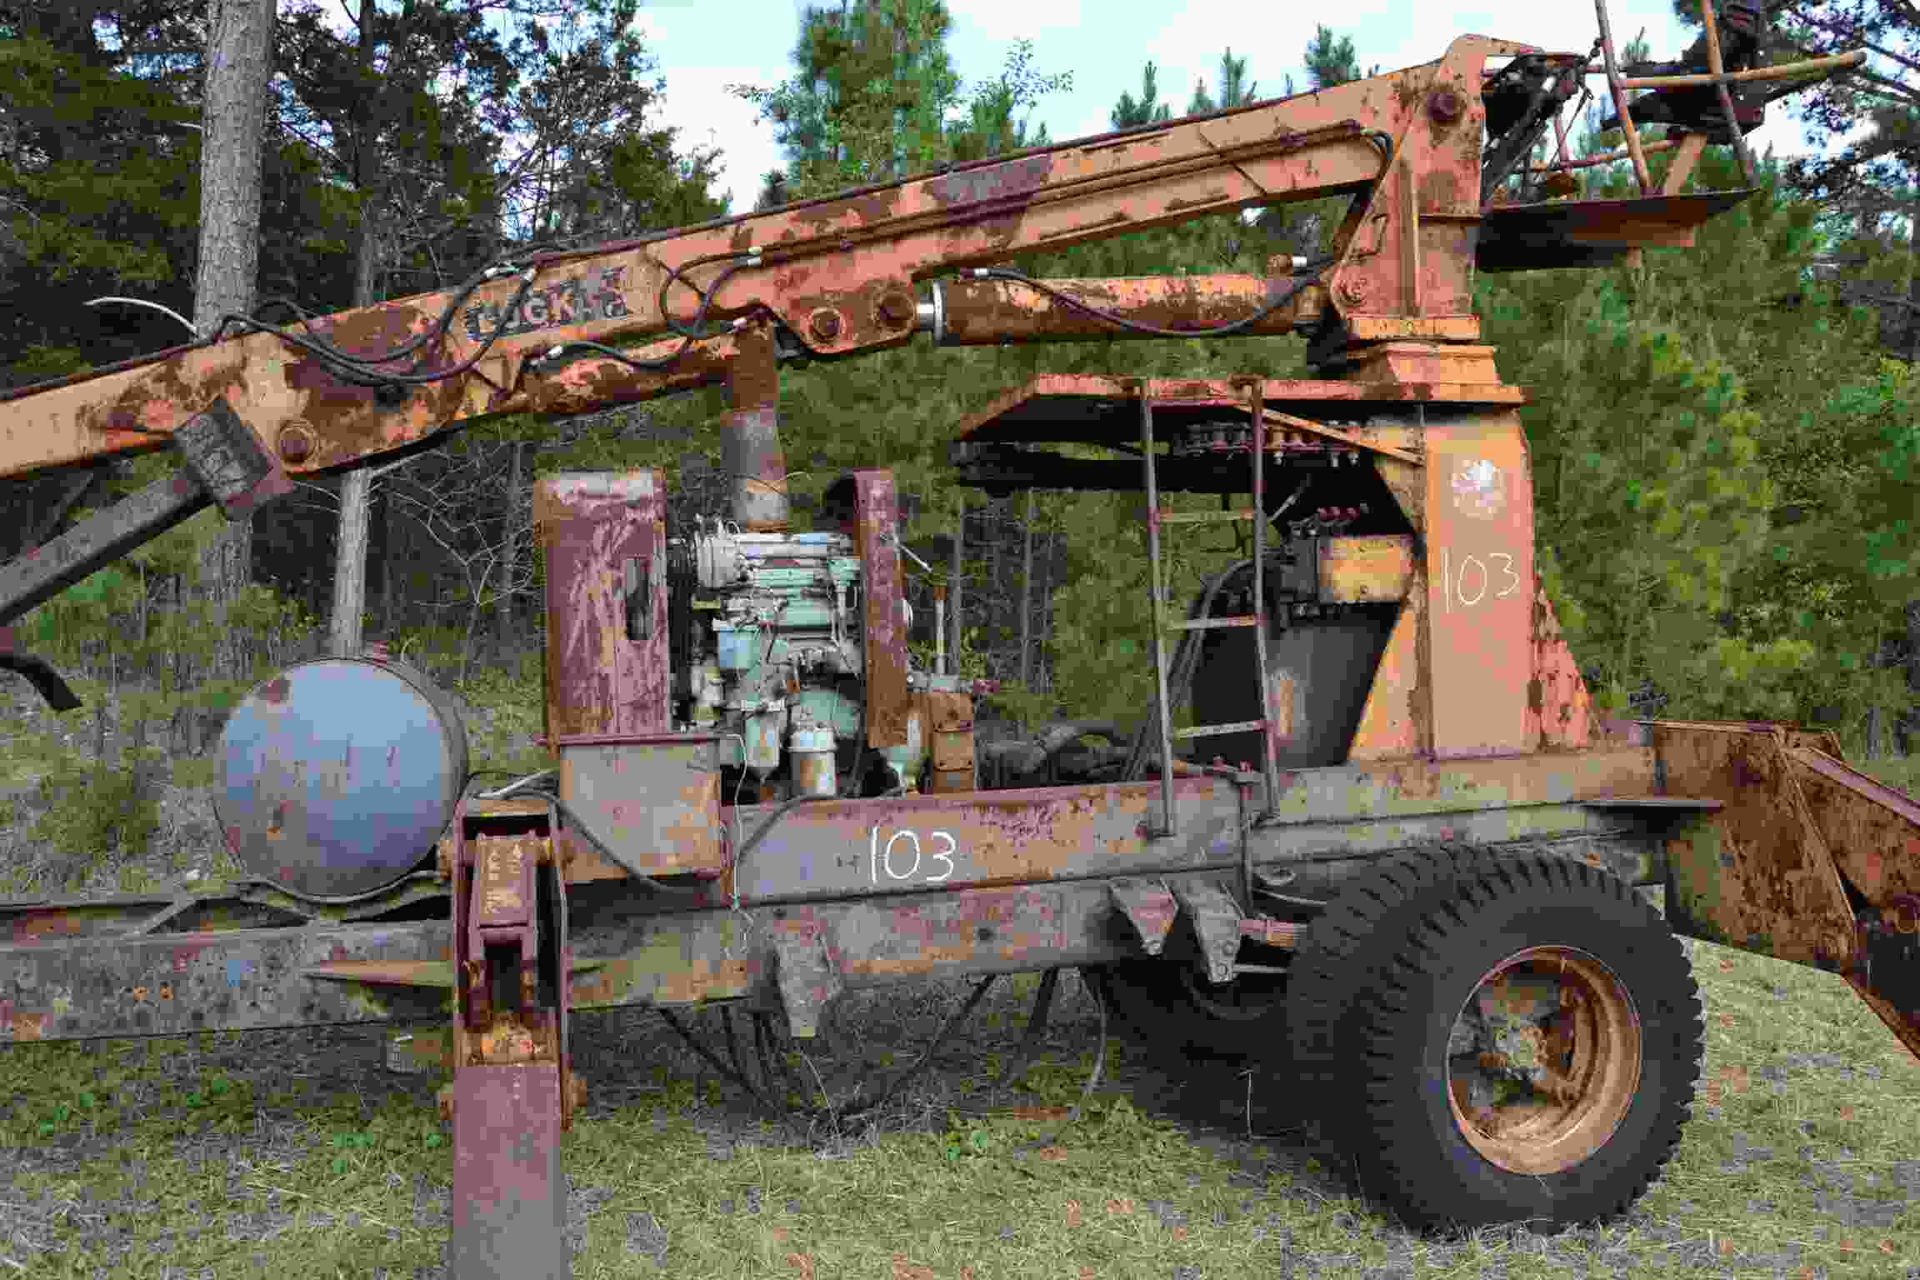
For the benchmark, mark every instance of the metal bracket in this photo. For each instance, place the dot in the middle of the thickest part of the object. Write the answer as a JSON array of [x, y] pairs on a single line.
[[228, 462], [511, 1097], [1216, 923], [804, 968], [1150, 906]]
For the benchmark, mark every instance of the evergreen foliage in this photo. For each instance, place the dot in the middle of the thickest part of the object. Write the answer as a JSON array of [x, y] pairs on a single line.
[[1726, 464]]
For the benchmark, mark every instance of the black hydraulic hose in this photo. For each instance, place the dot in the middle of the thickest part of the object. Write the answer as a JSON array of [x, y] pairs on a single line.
[[1310, 274]]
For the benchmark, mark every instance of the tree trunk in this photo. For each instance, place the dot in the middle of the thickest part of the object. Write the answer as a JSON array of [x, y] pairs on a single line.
[[1904, 725], [344, 634], [239, 58], [955, 590], [1026, 595], [509, 552], [390, 548]]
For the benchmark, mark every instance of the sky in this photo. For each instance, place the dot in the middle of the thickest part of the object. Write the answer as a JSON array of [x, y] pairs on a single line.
[[704, 46]]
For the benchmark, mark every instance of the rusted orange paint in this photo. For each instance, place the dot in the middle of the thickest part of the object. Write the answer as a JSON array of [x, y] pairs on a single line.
[[1756, 873], [990, 312], [1871, 829], [1394, 721], [1365, 569], [1559, 711], [1478, 535], [404, 973], [704, 979]]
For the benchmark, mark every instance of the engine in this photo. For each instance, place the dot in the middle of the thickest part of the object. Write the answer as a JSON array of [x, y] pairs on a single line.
[[767, 636]]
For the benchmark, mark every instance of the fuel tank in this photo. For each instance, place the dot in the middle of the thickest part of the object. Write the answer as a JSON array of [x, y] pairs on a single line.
[[338, 775]]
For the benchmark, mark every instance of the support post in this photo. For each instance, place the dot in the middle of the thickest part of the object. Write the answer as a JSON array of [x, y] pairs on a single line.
[[1639, 158], [1156, 621], [1717, 68], [750, 437]]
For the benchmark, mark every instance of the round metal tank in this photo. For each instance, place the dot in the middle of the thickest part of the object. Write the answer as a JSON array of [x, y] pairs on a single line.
[[337, 776]]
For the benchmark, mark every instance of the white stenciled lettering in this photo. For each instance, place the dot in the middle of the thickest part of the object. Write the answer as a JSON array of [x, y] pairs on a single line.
[[1479, 593], [1474, 578], [904, 846], [1506, 567]]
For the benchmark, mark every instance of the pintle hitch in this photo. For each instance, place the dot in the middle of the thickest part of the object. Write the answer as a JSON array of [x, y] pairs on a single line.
[[513, 1093]]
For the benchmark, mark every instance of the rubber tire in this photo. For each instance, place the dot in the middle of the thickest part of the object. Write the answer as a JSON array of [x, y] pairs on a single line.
[[1340, 955], [1150, 1001], [1404, 1144]]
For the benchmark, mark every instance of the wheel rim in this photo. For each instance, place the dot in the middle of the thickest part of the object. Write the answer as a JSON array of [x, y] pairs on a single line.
[[1543, 1060]]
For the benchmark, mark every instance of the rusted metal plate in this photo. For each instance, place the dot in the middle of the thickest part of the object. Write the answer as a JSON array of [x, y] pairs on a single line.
[[503, 882], [1480, 586], [991, 312], [1387, 788], [807, 970], [1149, 906], [1559, 712], [1363, 570], [1754, 874], [167, 984], [1096, 408], [1872, 830], [509, 1196], [1589, 233], [604, 536], [750, 449], [1215, 919], [949, 721], [653, 805], [229, 461], [1395, 719], [877, 536], [849, 847]]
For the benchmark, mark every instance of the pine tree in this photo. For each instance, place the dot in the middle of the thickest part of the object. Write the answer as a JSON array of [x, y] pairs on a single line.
[[1131, 112]]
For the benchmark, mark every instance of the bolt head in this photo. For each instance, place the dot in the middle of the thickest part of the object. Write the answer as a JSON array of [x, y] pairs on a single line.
[[1445, 107], [295, 444], [824, 324], [896, 309]]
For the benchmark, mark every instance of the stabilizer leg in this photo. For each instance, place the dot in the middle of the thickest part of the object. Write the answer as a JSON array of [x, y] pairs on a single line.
[[511, 1096]]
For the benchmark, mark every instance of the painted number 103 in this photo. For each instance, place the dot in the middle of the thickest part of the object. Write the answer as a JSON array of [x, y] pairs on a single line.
[[1471, 579], [904, 856]]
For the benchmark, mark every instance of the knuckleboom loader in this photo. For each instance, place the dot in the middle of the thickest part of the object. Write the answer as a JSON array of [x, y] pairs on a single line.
[[1417, 898]]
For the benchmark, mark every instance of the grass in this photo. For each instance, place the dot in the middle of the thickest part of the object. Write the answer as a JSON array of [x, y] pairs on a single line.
[[133, 1157]]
